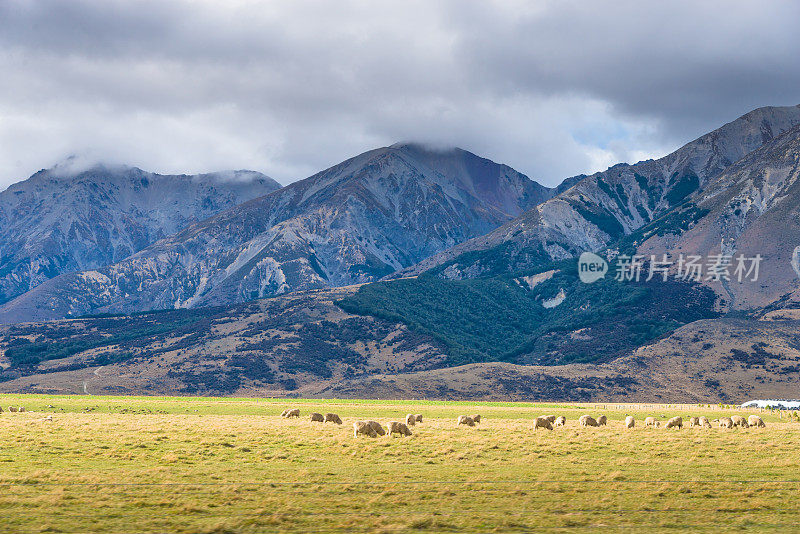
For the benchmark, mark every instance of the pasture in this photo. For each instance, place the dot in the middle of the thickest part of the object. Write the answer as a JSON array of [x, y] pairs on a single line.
[[225, 465]]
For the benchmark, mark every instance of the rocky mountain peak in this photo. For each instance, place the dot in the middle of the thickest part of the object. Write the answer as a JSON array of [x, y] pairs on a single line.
[[75, 216], [355, 222], [598, 209]]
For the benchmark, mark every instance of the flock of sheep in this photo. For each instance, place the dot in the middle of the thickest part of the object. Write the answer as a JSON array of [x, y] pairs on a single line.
[[374, 429], [548, 421], [371, 429]]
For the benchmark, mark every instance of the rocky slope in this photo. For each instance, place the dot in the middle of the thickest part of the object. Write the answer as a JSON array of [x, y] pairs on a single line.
[[601, 208], [275, 344], [304, 345], [357, 221], [710, 361], [751, 209], [63, 220]]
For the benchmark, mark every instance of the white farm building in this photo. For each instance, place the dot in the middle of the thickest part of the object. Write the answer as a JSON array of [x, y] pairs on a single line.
[[780, 404]]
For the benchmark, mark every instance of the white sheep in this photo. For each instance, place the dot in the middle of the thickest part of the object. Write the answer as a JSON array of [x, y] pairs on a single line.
[[396, 427], [704, 422], [561, 420], [295, 412], [725, 422], [333, 418], [738, 420], [755, 421], [542, 422], [651, 421], [466, 420], [587, 420], [630, 422], [694, 421], [361, 427], [376, 426], [675, 422]]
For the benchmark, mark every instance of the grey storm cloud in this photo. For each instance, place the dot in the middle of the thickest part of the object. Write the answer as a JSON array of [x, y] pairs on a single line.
[[288, 88]]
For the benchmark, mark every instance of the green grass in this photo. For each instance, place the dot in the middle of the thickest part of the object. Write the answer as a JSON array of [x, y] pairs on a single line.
[[233, 465]]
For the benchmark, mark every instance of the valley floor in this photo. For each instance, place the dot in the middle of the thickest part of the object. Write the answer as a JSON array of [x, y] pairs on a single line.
[[161, 464]]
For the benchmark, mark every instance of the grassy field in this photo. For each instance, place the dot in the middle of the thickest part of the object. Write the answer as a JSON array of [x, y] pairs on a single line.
[[148, 464]]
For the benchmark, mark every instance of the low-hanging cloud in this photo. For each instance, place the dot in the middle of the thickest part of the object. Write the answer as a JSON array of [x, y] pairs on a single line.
[[550, 88]]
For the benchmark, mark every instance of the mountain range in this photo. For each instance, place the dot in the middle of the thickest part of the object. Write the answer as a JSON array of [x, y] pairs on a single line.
[[411, 271], [68, 218], [360, 220], [600, 209]]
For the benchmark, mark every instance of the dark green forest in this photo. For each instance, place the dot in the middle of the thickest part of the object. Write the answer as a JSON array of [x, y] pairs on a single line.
[[500, 319]]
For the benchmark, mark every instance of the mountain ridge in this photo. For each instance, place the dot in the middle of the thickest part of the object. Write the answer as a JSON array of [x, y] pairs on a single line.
[[68, 219], [357, 221], [602, 207], [748, 210]]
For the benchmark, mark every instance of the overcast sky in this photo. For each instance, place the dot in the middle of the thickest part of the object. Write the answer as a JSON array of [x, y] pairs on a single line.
[[289, 88]]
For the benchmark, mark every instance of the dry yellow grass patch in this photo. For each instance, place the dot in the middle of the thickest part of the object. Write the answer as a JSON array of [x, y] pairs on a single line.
[[233, 465]]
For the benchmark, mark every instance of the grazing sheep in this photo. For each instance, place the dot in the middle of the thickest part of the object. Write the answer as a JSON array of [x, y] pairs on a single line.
[[725, 422], [561, 420], [418, 417], [551, 418], [396, 427], [694, 421], [602, 420], [411, 419], [755, 421], [704, 422], [630, 422], [333, 418], [317, 417], [48, 418], [675, 422], [476, 418], [376, 426], [362, 427], [22, 408], [12, 409], [295, 412], [466, 420], [587, 420], [542, 422], [284, 412], [651, 421], [738, 420]]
